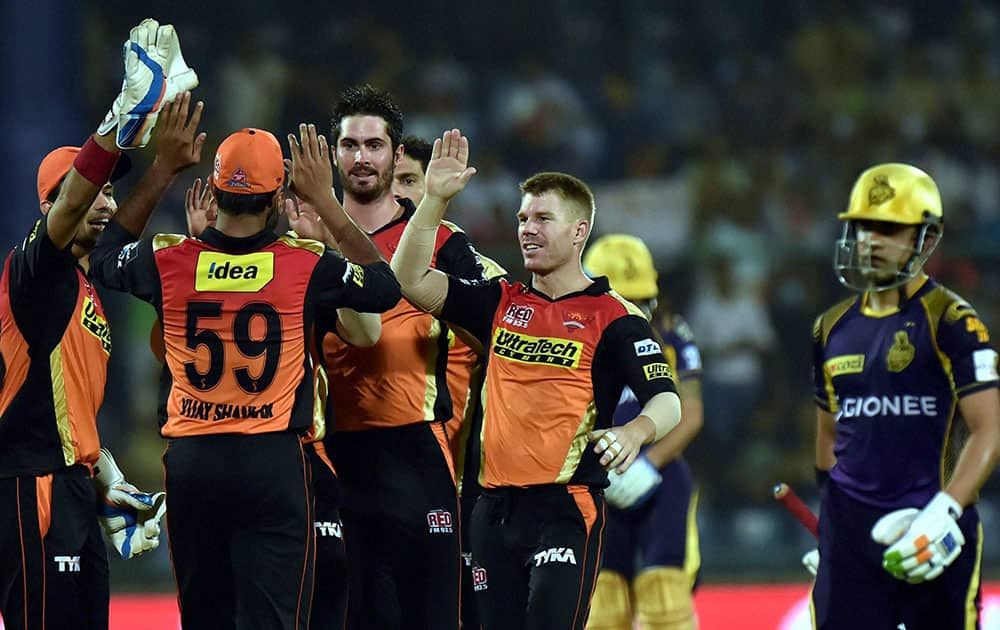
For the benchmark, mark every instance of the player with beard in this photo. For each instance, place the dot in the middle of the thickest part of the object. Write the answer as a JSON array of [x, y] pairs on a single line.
[[390, 402], [908, 421]]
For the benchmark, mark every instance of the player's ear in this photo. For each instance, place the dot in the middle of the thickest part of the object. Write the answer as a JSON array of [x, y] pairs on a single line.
[[582, 231], [400, 149], [44, 206]]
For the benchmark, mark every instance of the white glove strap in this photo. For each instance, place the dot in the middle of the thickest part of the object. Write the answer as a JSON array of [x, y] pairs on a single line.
[[943, 502]]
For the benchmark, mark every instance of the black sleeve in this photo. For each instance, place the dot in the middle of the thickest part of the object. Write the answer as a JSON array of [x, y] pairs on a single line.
[[628, 350], [34, 264], [457, 257], [121, 263], [472, 304], [340, 283]]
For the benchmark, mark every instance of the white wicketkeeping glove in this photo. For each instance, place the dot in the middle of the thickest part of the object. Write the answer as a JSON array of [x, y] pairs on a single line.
[[921, 549], [129, 517], [155, 72], [811, 561], [633, 487]]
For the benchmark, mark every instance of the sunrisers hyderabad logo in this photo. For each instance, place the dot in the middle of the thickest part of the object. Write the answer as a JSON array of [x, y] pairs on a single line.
[[96, 325], [527, 349]]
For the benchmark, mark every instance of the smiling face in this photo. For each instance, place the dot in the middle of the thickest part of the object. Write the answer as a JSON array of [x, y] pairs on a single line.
[[550, 232], [101, 211], [365, 157]]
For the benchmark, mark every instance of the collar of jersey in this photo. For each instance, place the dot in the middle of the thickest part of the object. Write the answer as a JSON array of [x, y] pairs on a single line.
[[868, 311], [599, 286], [236, 244]]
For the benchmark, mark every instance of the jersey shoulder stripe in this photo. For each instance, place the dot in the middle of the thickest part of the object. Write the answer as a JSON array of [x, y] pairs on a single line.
[[630, 308], [303, 243], [454, 227], [491, 268], [825, 322], [163, 241]]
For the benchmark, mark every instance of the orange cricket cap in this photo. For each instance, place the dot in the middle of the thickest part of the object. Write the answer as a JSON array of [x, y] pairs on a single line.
[[249, 162], [57, 163]]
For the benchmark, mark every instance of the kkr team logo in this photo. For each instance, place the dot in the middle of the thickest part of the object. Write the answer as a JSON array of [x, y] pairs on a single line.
[[518, 315], [901, 353], [527, 349], [229, 273], [439, 522], [881, 191], [96, 325]]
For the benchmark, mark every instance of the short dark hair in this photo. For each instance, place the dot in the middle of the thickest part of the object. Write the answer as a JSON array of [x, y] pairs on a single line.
[[566, 186], [234, 203], [365, 100], [54, 193], [418, 149]]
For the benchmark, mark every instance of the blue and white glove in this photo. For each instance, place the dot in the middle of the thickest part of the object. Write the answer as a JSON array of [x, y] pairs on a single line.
[[129, 517], [155, 72], [635, 486], [922, 543]]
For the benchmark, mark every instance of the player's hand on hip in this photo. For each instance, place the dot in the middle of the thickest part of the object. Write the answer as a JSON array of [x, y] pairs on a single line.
[[631, 489], [448, 170], [619, 446], [154, 72], [928, 545], [310, 170], [200, 207], [179, 144]]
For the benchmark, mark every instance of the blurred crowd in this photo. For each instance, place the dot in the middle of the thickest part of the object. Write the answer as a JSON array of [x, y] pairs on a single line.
[[724, 133]]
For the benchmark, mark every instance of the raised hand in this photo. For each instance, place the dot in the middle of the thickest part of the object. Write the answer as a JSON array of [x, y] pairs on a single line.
[[448, 171], [310, 169], [179, 144], [200, 207], [303, 218]]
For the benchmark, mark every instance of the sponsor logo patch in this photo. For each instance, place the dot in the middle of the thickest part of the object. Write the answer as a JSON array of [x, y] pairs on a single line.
[[646, 347], [873, 406], [246, 273], [517, 315], [657, 370], [845, 364], [564, 555], [96, 325], [985, 362], [354, 273], [478, 579], [439, 522], [68, 564], [328, 528], [527, 349]]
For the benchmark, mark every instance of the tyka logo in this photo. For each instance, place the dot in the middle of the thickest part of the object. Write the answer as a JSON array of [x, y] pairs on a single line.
[[328, 528], [439, 522], [555, 554], [68, 564]]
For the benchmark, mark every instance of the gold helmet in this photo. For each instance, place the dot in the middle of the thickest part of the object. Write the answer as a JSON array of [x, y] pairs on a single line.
[[896, 193], [888, 193], [627, 263]]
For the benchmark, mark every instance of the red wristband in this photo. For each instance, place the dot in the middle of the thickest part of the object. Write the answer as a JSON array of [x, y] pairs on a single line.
[[94, 163]]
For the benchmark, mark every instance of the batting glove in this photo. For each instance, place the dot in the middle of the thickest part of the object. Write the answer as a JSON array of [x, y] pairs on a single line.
[[634, 487], [931, 542], [129, 517], [811, 561], [155, 72]]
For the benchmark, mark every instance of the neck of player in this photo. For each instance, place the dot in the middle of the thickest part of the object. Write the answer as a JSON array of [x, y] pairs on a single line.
[[241, 225], [889, 299], [373, 215], [562, 280]]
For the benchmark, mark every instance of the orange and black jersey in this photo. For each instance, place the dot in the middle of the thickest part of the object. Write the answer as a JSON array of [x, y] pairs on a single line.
[[402, 379], [54, 349], [556, 370], [236, 316]]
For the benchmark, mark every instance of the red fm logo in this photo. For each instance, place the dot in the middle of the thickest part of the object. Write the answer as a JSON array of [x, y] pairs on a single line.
[[439, 522], [517, 315], [478, 579]]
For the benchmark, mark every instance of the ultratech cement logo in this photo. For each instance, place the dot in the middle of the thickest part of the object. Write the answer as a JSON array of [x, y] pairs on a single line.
[[527, 349]]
